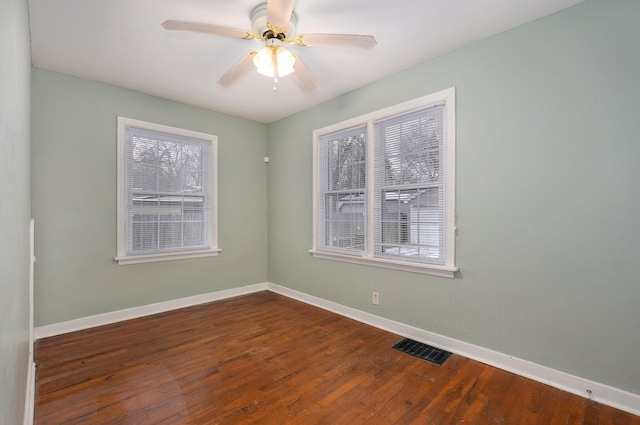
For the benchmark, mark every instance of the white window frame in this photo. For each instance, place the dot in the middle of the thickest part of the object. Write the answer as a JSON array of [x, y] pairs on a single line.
[[122, 257], [448, 268]]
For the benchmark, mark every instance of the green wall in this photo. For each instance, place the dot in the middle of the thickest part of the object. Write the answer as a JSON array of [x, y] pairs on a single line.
[[15, 208], [548, 205], [74, 201]]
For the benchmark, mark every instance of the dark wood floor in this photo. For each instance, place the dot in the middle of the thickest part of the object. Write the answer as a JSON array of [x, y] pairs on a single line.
[[267, 359]]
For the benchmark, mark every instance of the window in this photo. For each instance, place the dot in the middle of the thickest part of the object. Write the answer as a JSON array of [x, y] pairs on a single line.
[[384, 187], [167, 193], [343, 189]]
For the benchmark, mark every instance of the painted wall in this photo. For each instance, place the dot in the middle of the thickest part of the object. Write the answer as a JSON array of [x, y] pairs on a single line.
[[74, 201], [548, 205], [15, 208]]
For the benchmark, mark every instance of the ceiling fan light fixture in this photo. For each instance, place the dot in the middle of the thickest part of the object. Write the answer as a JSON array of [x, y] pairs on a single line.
[[285, 60], [274, 22], [270, 57]]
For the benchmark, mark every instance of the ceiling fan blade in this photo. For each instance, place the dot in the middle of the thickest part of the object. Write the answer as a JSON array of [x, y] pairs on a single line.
[[348, 40], [237, 70], [304, 78], [279, 14], [207, 28]]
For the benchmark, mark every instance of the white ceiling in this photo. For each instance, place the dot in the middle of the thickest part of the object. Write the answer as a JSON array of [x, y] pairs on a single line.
[[121, 42]]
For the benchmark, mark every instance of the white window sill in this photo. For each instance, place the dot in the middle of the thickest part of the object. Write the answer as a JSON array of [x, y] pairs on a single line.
[[430, 269], [151, 258]]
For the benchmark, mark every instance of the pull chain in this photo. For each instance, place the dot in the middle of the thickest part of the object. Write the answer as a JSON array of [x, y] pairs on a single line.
[[275, 69]]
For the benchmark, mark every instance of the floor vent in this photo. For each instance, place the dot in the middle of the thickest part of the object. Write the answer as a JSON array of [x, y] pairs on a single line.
[[422, 351]]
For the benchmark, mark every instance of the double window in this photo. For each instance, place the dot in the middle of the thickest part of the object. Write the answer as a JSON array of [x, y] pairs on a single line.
[[167, 206], [384, 187]]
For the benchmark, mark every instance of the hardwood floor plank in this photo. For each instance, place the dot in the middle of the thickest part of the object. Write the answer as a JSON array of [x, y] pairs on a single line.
[[270, 360]]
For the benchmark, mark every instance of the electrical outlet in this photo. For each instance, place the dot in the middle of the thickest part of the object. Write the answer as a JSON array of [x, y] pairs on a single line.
[[375, 299]]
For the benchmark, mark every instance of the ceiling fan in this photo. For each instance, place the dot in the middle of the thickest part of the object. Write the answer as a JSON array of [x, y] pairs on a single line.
[[274, 24]]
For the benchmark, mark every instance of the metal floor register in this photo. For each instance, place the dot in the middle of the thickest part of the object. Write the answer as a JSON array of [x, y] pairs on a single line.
[[422, 351]]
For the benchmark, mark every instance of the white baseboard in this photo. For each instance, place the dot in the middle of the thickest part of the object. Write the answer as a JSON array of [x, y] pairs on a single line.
[[602, 393], [146, 310]]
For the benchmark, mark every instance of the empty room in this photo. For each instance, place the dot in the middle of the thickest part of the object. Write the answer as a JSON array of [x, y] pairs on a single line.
[[319, 212]]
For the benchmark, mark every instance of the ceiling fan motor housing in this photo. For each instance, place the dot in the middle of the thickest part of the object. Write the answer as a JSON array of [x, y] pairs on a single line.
[[259, 24]]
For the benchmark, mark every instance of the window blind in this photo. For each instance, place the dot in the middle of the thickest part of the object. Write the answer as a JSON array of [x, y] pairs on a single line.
[[342, 194], [168, 202], [409, 221]]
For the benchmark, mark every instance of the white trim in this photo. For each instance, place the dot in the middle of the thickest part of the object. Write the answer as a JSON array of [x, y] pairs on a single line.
[[424, 268], [601, 393], [145, 310], [151, 258], [32, 263], [121, 249], [450, 177], [370, 171], [30, 394], [442, 96], [314, 192], [29, 404], [447, 98]]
